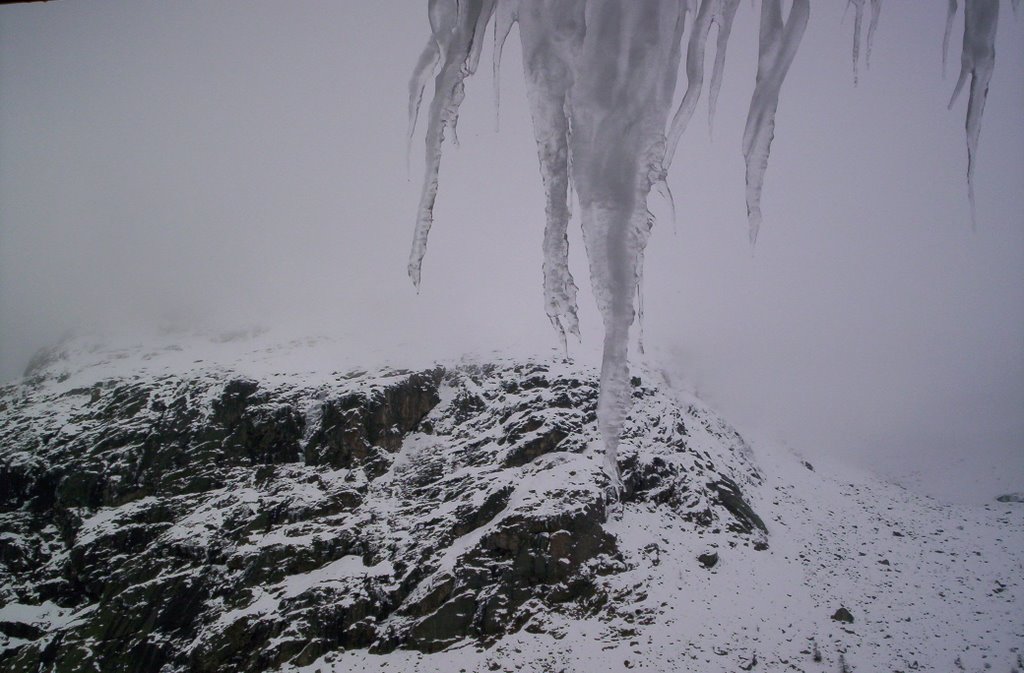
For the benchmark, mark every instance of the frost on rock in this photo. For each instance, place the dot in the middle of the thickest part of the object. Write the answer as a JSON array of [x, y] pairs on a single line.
[[778, 44], [977, 60]]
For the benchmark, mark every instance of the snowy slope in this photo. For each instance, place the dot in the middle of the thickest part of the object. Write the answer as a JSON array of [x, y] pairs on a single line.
[[931, 587], [232, 504]]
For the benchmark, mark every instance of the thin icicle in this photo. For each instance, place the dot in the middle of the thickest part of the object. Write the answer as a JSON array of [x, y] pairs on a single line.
[[724, 18], [694, 76], [506, 14], [876, 11], [643, 234], [950, 15], [858, 19], [778, 45], [458, 27], [421, 73], [981, 18]]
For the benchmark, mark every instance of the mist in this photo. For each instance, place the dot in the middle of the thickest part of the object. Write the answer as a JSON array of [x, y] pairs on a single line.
[[233, 164]]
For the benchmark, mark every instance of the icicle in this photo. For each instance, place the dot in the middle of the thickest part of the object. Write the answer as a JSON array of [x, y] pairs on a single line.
[[643, 235], [777, 46], [506, 14], [950, 15], [694, 76], [619, 104], [724, 18], [978, 60], [876, 11], [551, 35], [421, 73], [858, 19], [458, 27]]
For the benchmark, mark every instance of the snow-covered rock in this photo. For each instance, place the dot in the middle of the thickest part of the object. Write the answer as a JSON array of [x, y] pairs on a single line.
[[246, 513]]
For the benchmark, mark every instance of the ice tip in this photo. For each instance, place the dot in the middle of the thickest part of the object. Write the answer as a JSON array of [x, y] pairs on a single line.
[[414, 275], [973, 203], [754, 224]]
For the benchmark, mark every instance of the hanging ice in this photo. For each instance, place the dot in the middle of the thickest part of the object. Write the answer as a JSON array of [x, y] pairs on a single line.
[[694, 74], [551, 34], [457, 28], [858, 21], [950, 15], [876, 11], [600, 78], [623, 77], [723, 19], [777, 47], [978, 60]]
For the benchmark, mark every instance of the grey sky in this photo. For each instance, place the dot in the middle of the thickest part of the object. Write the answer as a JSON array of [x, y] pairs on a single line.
[[244, 162]]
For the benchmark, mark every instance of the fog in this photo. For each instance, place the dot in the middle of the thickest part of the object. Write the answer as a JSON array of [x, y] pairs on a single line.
[[244, 163]]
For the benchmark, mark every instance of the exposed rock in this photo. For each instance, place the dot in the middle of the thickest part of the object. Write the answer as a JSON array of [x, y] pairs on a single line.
[[708, 560], [843, 615]]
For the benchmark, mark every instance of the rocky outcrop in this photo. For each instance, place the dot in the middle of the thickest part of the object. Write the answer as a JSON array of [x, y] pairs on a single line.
[[220, 522]]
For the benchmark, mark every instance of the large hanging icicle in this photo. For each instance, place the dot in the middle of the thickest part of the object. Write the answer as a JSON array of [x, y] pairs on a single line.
[[978, 60], [778, 45], [619, 106]]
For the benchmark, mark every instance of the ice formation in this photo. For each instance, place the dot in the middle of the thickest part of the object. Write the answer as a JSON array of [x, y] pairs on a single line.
[[600, 78], [723, 19], [950, 15], [858, 21], [977, 60], [777, 46]]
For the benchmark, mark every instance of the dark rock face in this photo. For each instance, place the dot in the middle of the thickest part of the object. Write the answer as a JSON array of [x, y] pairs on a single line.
[[215, 522]]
